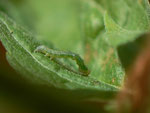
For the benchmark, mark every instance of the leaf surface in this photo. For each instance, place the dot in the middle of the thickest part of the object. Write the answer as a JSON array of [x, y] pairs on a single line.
[[20, 45]]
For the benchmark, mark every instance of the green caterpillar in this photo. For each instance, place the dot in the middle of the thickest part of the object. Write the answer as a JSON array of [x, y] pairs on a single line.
[[53, 54]]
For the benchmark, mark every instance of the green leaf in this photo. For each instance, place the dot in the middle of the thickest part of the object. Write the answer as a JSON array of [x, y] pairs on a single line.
[[118, 9], [128, 14], [146, 6], [116, 34], [105, 64], [101, 58], [20, 45], [137, 16], [125, 38], [92, 19]]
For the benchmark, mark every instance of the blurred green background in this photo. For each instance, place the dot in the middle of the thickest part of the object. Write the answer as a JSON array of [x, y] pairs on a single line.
[[54, 20]]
